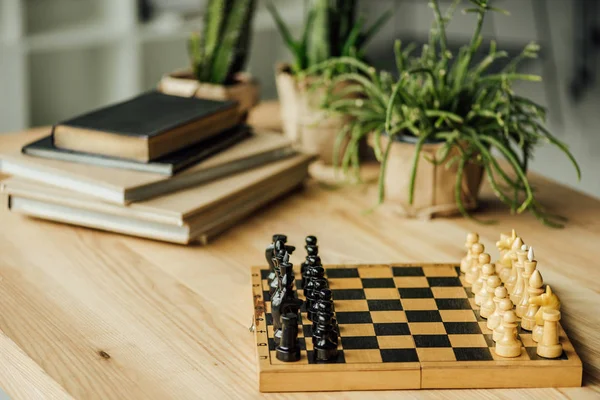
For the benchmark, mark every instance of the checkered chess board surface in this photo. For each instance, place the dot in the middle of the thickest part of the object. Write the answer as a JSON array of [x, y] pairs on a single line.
[[400, 314]]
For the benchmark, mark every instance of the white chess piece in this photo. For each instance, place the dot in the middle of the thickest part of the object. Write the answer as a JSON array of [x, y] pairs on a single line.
[[529, 265], [476, 251], [484, 259], [504, 306], [486, 272], [488, 304], [494, 319], [549, 346], [507, 273], [516, 292], [465, 263], [536, 284], [509, 345]]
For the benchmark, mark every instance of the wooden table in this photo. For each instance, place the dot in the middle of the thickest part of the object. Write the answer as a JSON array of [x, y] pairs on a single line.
[[95, 315]]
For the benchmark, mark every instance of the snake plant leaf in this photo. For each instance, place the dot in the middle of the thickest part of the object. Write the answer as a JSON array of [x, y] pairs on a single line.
[[242, 49], [196, 54], [214, 21], [374, 29], [352, 39], [319, 49], [225, 55], [283, 28]]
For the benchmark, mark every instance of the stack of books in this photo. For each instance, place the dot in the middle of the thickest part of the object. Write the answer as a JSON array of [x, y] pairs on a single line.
[[162, 167]]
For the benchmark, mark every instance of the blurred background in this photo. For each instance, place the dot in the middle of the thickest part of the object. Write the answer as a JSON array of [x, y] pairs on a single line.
[[59, 58]]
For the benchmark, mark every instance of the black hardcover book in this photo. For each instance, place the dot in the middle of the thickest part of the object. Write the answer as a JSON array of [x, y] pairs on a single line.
[[166, 165], [146, 127]]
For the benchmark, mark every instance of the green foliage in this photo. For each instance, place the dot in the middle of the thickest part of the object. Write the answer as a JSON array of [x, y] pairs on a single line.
[[330, 30], [451, 98], [221, 49]]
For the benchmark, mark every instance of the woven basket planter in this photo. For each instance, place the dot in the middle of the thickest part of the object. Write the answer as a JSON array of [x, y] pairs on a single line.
[[246, 90], [304, 122]]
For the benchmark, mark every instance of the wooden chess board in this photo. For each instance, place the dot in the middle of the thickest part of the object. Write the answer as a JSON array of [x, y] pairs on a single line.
[[404, 326]]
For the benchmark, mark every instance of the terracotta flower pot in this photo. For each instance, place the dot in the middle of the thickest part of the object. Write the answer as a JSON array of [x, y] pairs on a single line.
[[304, 122], [434, 184], [245, 91]]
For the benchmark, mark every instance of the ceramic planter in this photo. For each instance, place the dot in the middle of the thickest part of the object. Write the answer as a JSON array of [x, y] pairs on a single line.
[[245, 91], [304, 122], [434, 185]]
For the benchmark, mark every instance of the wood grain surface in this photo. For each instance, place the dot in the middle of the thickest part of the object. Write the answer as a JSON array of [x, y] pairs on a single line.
[[93, 315]]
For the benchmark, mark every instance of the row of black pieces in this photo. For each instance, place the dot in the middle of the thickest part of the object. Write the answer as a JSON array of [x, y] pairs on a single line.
[[319, 303], [284, 300]]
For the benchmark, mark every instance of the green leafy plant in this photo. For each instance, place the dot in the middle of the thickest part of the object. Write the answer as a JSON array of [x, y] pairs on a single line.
[[331, 29], [220, 51], [453, 98]]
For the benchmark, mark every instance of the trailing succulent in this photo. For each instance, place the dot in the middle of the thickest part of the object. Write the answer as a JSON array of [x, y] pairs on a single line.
[[439, 95], [220, 51], [331, 29]]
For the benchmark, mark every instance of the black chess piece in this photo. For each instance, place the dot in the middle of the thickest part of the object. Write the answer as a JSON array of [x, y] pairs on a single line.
[[325, 338], [271, 252], [277, 260], [312, 272], [288, 349], [324, 322], [285, 299], [311, 252], [313, 293], [324, 303], [311, 261]]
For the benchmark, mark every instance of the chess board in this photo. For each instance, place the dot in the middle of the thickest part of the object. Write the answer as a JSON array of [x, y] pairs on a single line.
[[404, 327]]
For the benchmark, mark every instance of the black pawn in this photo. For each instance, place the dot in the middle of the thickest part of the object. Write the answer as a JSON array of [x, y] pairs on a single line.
[[288, 349], [312, 273], [325, 340], [311, 240], [323, 304], [322, 324], [313, 294], [311, 253], [311, 262]]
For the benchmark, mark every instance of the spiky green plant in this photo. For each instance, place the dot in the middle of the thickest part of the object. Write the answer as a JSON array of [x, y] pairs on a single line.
[[453, 98], [331, 29], [221, 49]]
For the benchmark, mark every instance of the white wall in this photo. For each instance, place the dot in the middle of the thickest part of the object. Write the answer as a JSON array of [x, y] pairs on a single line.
[[59, 82]]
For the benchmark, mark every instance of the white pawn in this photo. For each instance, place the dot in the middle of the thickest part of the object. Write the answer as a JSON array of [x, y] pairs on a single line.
[[465, 263], [486, 272], [549, 346], [488, 305], [494, 319], [504, 306], [476, 251], [509, 345], [484, 258]]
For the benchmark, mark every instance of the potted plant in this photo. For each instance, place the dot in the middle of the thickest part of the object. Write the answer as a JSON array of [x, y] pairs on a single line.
[[331, 29], [218, 55], [438, 125]]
